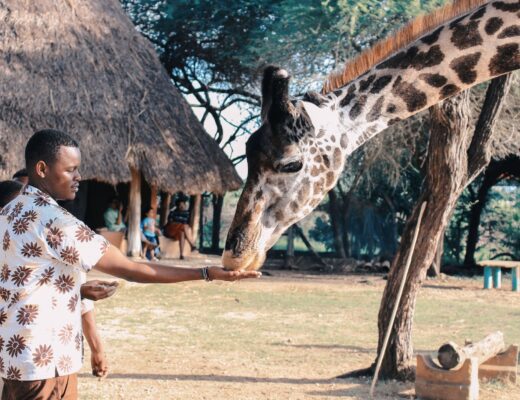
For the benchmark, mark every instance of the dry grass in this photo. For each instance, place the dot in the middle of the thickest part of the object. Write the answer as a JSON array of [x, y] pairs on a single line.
[[281, 337]]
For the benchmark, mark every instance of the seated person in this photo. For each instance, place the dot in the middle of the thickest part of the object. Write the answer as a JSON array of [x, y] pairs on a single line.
[[150, 232], [178, 228], [113, 216]]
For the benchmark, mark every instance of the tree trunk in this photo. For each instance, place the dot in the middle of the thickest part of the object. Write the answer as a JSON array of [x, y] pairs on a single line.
[[448, 172], [218, 202], [335, 219], [435, 268], [134, 223]]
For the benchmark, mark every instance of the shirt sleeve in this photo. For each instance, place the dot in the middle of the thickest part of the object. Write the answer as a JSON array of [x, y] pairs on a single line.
[[72, 242], [86, 306]]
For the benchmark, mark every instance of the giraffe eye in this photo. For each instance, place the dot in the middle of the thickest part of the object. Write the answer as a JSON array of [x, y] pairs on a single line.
[[291, 167]]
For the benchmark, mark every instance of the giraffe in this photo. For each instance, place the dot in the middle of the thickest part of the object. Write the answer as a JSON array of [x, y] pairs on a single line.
[[301, 147]]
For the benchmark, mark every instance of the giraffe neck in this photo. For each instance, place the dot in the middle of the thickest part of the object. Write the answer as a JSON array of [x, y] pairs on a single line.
[[471, 48]]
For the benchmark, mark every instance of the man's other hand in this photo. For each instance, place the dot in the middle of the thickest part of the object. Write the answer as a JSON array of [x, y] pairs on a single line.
[[96, 290]]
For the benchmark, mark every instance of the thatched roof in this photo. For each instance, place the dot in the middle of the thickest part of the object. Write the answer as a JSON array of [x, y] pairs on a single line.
[[80, 66]]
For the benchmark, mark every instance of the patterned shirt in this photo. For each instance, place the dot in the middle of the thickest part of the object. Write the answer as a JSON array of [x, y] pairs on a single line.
[[45, 250]]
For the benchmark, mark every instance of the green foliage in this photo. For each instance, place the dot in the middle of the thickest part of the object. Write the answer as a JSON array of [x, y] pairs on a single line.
[[322, 233], [500, 226]]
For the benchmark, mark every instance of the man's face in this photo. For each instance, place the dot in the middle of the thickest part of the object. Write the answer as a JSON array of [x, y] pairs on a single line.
[[62, 176]]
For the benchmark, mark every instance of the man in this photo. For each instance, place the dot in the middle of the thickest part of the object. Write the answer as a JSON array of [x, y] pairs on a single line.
[[113, 216], [90, 291], [45, 249]]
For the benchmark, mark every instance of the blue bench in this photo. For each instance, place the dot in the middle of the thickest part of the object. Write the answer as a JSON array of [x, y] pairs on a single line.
[[493, 273]]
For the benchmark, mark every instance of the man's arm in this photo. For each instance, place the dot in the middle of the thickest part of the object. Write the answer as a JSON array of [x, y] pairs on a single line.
[[97, 354], [115, 263]]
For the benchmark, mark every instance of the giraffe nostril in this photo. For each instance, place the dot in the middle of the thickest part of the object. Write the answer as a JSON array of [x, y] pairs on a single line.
[[234, 241]]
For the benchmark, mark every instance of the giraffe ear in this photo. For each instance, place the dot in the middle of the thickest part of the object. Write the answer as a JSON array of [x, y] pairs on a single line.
[[275, 93]]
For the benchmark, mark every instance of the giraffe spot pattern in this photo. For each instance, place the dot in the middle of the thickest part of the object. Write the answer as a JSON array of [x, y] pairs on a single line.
[[479, 13], [466, 36], [493, 25], [413, 98], [348, 97], [344, 141], [393, 121], [432, 37], [448, 90], [510, 31], [510, 7], [380, 83], [365, 83], [357, 108], [326, 161], [336, 158], [464, 67], [375, 112], [329, 179], [506, 59], [414, 58], [435, 80], [391, 108]]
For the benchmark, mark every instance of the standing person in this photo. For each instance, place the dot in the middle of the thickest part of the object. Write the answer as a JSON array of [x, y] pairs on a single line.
[[150, 233], [178, 228], [90, 291], [45, 249]]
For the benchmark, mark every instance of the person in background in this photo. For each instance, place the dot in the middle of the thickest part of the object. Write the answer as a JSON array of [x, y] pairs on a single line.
[[8, 191], [178, 228], [151, 234], [21, 176], [113, 216]]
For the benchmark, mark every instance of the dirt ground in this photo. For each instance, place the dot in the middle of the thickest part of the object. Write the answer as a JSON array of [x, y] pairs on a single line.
[[284, 336]]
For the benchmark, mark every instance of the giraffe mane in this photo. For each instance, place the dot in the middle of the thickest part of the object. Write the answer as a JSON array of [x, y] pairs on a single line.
[[403, 37]]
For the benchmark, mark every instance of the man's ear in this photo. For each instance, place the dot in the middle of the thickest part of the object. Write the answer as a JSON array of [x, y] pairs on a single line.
[[41, 169]]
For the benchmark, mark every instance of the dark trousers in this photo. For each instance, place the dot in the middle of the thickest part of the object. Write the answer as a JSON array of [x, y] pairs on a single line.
[[59, 388]]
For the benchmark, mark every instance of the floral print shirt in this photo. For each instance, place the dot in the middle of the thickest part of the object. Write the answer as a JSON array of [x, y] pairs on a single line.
[[44, 251]]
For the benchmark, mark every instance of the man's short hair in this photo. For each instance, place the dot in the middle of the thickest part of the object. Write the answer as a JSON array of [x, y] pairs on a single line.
[[20, 173], [44, 146], [8, 190]]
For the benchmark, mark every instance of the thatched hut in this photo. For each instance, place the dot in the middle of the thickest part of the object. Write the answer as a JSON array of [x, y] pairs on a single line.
[[80, 66]]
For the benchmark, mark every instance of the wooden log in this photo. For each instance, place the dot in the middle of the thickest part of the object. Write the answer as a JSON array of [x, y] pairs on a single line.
[[134, 228], [451, 356]]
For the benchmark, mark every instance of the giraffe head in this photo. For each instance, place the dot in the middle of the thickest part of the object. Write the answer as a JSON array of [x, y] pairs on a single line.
[[293, 161]]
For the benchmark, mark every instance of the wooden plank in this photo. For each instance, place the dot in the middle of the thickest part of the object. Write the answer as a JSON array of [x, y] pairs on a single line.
[[503, 366], [499, 263], [450, 355], [434, 383]]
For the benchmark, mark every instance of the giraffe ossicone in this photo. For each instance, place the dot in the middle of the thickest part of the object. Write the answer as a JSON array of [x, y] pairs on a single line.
[[299, 151]]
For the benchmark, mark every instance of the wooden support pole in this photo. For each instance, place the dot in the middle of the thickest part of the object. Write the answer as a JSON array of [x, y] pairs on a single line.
[[134, 206], [488, 272], [153, 197], [165, 207], [497, 278], [452, 356], [195, 203]]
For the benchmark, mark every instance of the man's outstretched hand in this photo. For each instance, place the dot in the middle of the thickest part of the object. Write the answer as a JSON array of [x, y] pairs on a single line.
[[97, 290], [221, 274]]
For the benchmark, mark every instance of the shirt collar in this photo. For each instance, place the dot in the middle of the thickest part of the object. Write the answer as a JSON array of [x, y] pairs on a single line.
[[35, 192]]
